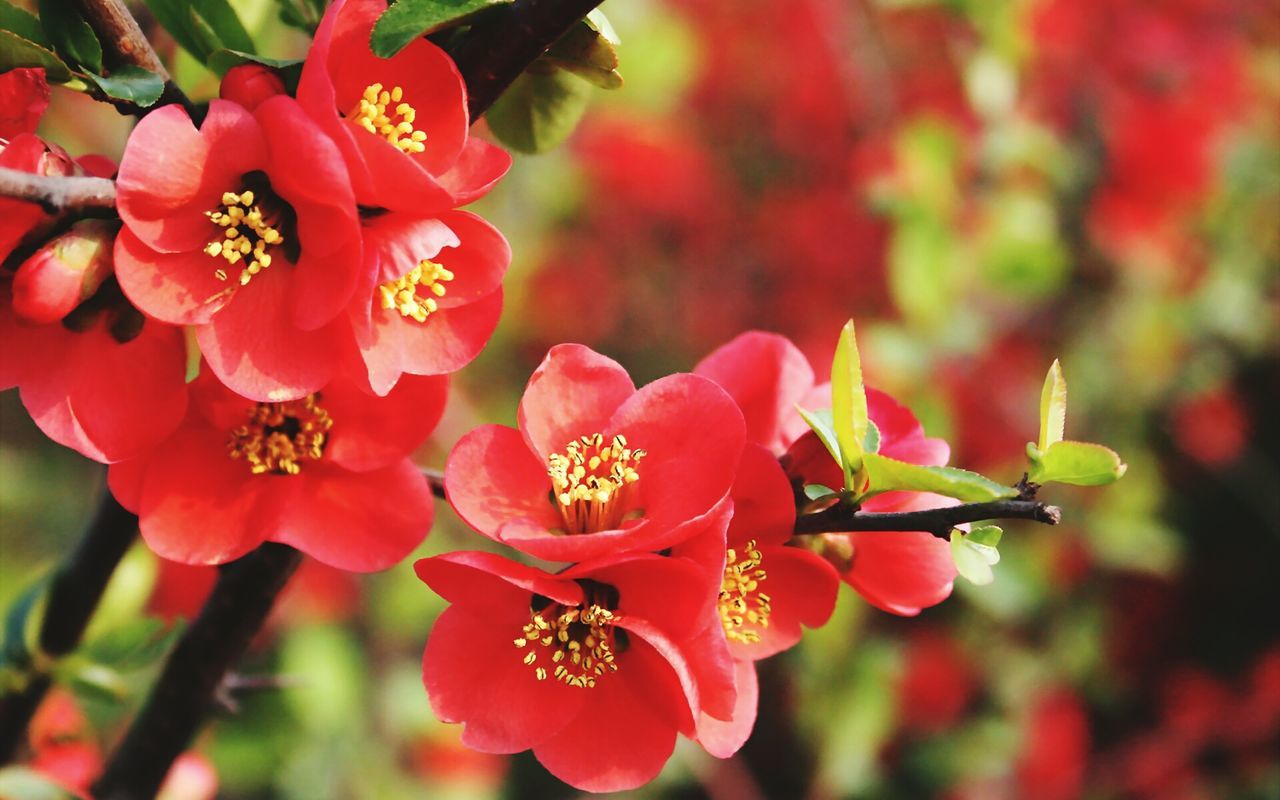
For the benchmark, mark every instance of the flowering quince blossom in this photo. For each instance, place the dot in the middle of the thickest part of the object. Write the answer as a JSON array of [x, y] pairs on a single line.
[[598, 468], [246, 229], [899, 571], [401, 123], [589, 667], [328, 474]]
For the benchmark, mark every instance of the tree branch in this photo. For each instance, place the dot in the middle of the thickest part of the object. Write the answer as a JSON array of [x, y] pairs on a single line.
[[937, 521], [187, 688], [123, 42], [73, 594], [57, 193], [507, 40], [435, 479]]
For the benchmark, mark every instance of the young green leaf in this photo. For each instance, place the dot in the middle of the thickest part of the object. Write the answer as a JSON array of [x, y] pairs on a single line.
[[22, 22], [1053, 407], [872, 443], [849, 402], [222, 19], [820, 423], [133, 84], [70, 35], [202, 26], [1077, 463], [23, 783], [973, 560], [539, 110], [406, 20], [815, 491], [16, 52], [587, 53], [888, 474], [988, 535]]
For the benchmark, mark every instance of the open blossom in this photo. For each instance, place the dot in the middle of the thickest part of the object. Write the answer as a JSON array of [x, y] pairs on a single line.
[[432, 296], [401, 123], [246, 229], [586, 667], [598, 468], [328, 473]]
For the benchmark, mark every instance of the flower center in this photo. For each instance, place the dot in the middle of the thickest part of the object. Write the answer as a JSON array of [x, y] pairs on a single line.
[[403, 293], [397, 126], [592, 481], [247, 232], [580, 642], [744, 609], [279, 437]]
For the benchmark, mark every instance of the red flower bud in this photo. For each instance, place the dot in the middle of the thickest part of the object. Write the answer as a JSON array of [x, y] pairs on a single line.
[[64, 272], [250, 84]]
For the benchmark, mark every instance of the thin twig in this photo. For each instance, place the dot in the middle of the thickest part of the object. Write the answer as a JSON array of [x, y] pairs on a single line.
[[435, 479], [57, 193], [123, 42], [187, 688], [507, 40], [72, 597], [937, 521]]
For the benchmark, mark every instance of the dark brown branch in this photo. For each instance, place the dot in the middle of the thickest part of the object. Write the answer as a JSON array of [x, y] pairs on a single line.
[[57, 193], [123, 42], [73, 594], [187, 688], [937, 521], [507, 40], [435, 479]]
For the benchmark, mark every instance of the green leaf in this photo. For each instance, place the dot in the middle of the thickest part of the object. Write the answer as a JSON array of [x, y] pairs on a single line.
[[22, 783], [202, 26], [539, 111], [588, 53], [20, 624], [988, 535], [131, 83], [16, 52], [134, 645], [1053, 407], [887, 474], [820, 423], [1077, 463], [871, 444], [222, 19], [94, 681], [973, 560], [849, 403], [70, 35], [816, 491], [21, 22], [409, 19]]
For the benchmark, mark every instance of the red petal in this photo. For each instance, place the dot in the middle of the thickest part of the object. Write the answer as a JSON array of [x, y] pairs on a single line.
[[478, 260], [802, 588], [492, 479], [766, 375], [901, 434], [372, 432], [358, 521], [24, 96], [478, 168], [723, 738], [448, 341], [179, 288], [672, 593], [124, 478], [764, 506], [486, 583], [474, 674], [572, 393], [901, 572]]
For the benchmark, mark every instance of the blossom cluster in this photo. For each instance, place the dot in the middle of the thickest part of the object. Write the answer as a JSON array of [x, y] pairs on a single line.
[[263, 339], [672, 508]]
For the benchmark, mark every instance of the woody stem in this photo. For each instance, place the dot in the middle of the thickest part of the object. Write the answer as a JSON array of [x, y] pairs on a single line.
[[937, 521]]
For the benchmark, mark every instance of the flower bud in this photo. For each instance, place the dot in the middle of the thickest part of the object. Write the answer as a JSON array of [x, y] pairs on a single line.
[[250, 84], [64, 272]]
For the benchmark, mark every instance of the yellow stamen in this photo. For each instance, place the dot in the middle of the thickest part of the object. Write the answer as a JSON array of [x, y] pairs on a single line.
[[582, 637], [592, 482], [396, 125], [744, 609], [402, 294], [279, 437], [246, 235]]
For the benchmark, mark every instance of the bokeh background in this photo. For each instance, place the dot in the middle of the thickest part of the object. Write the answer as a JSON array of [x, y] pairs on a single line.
[[983, 185]]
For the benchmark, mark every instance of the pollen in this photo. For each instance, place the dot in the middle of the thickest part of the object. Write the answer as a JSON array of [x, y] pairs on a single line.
[[744, 609], [280, 437], [246, 236], [578, 643], [592, 481], [384, 113], [414, 294]]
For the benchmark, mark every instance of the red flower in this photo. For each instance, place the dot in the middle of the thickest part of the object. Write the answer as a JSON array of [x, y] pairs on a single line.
[[63, 273], [585, 667], [246, 229], [433, 294], [401, 123], [328, 474], [598, 468], [24, 96]]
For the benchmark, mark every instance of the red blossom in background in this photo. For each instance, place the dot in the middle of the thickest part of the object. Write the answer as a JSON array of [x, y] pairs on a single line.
[[596, 467], [328, 474], [585, 667]]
